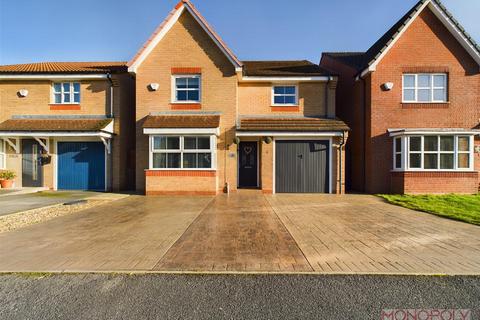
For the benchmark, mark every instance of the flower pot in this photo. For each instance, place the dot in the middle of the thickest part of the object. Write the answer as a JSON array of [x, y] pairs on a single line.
[[6, 184]]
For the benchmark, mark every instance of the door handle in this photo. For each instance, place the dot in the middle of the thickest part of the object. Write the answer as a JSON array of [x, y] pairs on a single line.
[[300, 156]]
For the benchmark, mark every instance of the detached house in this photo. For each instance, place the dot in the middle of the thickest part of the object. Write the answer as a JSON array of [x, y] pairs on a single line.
[[413, 103], [208, 122], [66, 125]]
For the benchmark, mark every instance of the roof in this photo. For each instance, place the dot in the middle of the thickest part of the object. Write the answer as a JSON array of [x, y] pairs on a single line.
[[283, 68], [352, 59], [362, 61], [67, 125], [182, 121], [64, 67], [169, 21], [291, 124]]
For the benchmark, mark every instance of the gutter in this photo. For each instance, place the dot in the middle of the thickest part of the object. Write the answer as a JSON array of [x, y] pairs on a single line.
[[110, 111]]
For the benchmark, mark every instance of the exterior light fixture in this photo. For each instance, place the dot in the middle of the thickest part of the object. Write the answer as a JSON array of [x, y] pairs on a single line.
[[153, 86]]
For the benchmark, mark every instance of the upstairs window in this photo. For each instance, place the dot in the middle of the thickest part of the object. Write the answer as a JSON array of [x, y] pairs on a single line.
[[186, 89], [66, 92], [425, 88], [285, 95]]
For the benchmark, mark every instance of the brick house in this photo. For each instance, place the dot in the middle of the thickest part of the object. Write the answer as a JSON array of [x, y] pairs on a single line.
[[66, 125], [207, 122], [413, 103]]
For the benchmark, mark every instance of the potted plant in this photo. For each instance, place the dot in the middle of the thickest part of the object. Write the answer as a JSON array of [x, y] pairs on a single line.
[[6, 178]]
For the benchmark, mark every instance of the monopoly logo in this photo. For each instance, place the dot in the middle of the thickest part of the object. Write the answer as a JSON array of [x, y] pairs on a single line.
[[426, 314]]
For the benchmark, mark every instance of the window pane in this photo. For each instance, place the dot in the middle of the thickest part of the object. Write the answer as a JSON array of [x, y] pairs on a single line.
[[409, 81], [190, 160], [173, 160], [446, 161], [290, 90], [279, 90], [430, 143], [76, 97], [398, 145], [409, 95], [424, 95], [204, 143], [463, 144], [159, 143], [446, 143], [190, 143], [439, 81], [398, 160], [57, 87], [181, 95], [58, 98], [159, 160], [290, 99], [423, 80], [2, 161], [415, 160], [279, 100], [181, 83], [204, 160], [66, 98], [173, 143], [193, 95], [430, 161], [415, 144], [76, 87], [66, 87], [193, 82], [439, 95], [463, 160]]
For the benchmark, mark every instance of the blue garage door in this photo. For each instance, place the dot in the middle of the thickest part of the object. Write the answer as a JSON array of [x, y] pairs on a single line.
[[81, 166]]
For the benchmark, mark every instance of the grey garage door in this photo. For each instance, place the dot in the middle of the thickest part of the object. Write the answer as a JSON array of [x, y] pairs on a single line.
[[301, 166]]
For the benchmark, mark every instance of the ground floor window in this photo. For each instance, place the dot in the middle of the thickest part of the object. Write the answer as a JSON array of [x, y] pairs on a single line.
[[2, 154], [182, 152], [433, 152]]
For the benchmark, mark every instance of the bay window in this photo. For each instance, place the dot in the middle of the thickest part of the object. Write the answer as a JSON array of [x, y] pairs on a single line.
[[182, 152], [433, 152]]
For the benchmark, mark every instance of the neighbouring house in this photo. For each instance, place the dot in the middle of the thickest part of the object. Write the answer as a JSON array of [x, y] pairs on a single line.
[[68, 125], [209, 123], [413, 103]]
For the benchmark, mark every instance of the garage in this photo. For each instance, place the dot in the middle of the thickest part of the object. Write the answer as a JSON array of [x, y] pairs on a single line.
[[81, 166], [302, 166]]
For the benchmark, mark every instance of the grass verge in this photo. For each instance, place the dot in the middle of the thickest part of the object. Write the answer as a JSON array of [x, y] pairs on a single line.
[[464, 208]]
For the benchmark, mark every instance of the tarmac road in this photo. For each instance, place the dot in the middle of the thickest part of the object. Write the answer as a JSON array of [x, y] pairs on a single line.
[[193, 296]]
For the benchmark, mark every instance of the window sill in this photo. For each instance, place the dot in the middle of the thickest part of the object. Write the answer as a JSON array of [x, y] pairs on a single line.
[[285, 108], [185, 106], [64, 106], [425, 105]]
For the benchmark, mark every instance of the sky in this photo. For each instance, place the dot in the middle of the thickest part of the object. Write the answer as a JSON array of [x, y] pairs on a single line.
[[113, 30]]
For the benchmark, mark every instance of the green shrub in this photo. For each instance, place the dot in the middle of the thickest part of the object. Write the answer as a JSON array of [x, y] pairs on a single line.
[[7, 175]]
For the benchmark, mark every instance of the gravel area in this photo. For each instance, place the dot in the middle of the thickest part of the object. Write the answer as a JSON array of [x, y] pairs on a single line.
[[26, 218]]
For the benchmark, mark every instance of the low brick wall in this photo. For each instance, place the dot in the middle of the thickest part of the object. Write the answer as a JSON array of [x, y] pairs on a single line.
[[434, 182], [188, 182]]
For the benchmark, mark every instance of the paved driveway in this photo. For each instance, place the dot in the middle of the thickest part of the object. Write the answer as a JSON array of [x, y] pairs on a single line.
[[246, 232]]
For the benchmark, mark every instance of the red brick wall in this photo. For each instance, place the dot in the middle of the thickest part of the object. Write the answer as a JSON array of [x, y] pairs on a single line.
[[434, 182], [426, 46]]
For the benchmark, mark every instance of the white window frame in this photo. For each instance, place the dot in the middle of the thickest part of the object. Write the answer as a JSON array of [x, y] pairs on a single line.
[[3, 154], [432, 87], [282, 95], [182, 151], [174, 88], [406, 153], [71, 93]]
